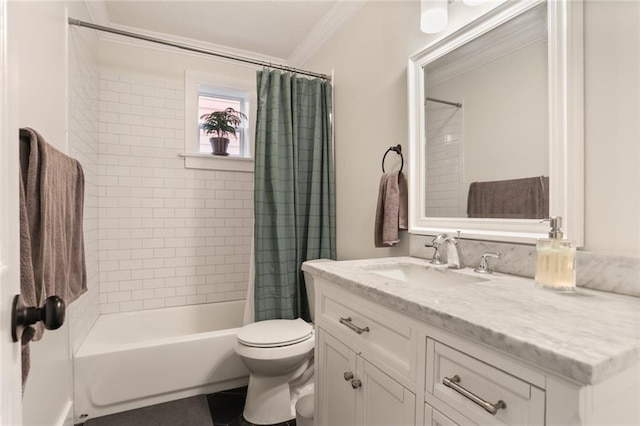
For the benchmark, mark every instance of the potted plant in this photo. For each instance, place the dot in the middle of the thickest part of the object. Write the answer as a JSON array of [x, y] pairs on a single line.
[[221, 124]]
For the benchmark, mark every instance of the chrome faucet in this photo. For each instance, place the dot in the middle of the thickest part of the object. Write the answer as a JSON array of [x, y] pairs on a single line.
[[454, 259], [436, 243]]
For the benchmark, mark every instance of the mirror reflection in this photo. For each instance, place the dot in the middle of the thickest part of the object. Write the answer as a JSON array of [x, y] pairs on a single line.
[[487, 126]]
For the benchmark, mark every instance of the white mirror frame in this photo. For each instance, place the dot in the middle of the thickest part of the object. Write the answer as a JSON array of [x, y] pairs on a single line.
[[566, 127]]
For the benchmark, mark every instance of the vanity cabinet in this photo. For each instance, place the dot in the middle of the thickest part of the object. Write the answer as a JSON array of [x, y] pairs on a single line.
[[378, 366], [433, 417], [479, 390], [365, 359], [355, 391]]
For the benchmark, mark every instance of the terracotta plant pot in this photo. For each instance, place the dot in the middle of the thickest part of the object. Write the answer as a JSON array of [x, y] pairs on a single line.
[[219, 146]]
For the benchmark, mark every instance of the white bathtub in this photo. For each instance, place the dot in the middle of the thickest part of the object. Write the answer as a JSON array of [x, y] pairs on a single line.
[[134, 359]]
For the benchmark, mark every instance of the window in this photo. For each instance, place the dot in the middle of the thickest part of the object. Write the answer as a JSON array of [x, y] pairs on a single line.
[[205, 93], [212, 99]]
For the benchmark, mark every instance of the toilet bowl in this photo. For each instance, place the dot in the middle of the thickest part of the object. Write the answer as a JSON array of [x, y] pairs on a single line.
[[279, 356]]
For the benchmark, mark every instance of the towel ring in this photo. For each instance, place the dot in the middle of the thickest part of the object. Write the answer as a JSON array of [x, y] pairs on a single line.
[[398, 150]]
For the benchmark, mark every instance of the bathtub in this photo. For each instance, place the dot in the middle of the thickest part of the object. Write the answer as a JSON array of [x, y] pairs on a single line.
[[134, 359]]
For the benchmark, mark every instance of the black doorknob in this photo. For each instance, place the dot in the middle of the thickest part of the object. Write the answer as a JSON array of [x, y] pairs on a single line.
[[51, 314]]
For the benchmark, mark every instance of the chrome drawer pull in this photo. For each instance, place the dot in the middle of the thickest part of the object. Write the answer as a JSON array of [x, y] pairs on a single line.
[[348, 323], [491, 408]]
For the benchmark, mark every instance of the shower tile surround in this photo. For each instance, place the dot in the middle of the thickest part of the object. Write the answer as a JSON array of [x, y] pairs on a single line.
[[168, 236], [156, 234], [444, 193], [84, 82], [616, 274]]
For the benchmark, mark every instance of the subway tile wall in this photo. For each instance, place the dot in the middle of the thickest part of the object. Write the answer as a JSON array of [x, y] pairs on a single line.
[[444, 195], [84, 81], [168, 236]]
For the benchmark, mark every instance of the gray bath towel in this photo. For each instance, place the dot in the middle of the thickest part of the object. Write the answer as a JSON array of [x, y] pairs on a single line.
[[51, 238], [391, 212], [526, 198]]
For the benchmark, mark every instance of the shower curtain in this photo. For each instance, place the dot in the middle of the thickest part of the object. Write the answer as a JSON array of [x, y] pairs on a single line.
[[294, 189]]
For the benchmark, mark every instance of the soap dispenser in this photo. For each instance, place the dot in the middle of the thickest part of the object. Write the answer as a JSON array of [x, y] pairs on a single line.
[[555, 260]]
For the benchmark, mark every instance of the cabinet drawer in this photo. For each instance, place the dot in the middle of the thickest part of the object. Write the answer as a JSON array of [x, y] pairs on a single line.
[[370, 329], [473, 387], [433, 417]]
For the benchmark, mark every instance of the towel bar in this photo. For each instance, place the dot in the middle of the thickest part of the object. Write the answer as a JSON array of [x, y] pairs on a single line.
[[398, 150]]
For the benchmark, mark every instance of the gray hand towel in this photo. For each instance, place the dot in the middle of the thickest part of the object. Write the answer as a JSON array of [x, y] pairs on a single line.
[[51, 238], [391, 212], [526, 198]]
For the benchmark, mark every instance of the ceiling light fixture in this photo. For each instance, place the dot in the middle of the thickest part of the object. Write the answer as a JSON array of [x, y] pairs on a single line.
[[474, 2], [434, 14]]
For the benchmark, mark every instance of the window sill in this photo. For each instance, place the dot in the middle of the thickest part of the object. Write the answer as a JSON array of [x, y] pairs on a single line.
[[213, 162]]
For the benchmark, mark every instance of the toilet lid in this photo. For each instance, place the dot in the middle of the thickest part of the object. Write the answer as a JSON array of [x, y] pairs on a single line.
[[273, 333]]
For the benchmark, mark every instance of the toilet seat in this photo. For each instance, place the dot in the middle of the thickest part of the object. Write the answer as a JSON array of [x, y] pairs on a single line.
[[275, 333]]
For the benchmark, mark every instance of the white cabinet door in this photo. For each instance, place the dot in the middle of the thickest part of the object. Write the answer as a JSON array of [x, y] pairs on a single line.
[[384, 401], [351, 391], [433, 417], [337, 397]]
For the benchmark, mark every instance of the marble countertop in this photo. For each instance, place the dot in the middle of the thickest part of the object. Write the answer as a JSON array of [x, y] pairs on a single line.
[[586, 336]]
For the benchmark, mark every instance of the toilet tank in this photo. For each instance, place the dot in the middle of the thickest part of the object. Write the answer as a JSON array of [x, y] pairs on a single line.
[[311, 294]]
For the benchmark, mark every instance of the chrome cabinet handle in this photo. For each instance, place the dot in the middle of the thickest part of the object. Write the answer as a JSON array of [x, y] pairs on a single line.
[[348, 375], [352, 326], [356, 383], [453, 384]]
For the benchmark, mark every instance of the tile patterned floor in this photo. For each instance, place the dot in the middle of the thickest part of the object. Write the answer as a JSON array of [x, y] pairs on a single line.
[[226, 408]]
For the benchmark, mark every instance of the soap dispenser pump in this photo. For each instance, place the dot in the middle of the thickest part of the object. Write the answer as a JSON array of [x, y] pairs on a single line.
[[555, 259]]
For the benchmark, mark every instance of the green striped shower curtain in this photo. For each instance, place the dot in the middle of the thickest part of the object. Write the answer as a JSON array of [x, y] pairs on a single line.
[[294, 189]]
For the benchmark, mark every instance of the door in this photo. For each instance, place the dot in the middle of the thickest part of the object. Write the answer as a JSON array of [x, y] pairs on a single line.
[[336, 369], [385, 401], [10, 363]]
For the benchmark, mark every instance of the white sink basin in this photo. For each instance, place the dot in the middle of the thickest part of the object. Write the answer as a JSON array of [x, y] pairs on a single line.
[[422, 275]]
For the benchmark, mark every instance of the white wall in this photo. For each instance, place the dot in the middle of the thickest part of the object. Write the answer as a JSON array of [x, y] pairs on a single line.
[[369, 55], [612, 126], [38, 38]]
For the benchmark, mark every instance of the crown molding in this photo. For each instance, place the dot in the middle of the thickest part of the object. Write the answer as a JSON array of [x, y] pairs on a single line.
[[339, 13]]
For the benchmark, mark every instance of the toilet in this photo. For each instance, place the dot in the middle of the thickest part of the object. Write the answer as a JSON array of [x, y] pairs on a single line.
[[279, 356]]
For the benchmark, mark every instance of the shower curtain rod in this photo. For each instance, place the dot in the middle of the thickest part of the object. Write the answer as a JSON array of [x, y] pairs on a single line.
[[80, 23], [455, 104]]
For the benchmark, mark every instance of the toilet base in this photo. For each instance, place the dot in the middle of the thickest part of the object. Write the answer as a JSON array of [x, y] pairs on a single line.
[[268, 400], [272, 400]]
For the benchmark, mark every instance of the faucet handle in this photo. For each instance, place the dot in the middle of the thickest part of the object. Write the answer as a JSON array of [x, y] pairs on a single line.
[[435, 260], [484, 265]]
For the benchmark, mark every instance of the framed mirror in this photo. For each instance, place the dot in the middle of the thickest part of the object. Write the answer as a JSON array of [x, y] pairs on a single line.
[[496, 125]]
